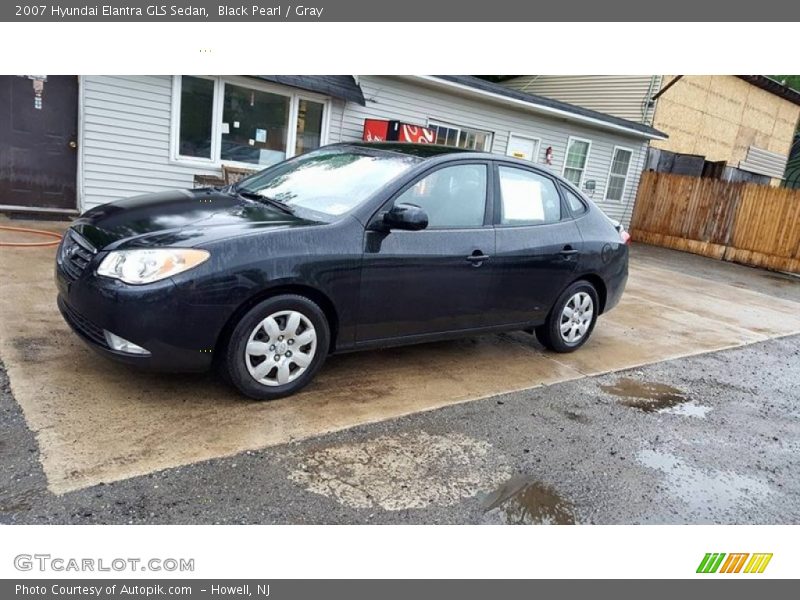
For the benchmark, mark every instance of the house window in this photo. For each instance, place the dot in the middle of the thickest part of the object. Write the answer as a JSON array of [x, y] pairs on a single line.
[[254, 125], [618, 174], [197, 102], [461, 137], [309, 126], [577, 157]]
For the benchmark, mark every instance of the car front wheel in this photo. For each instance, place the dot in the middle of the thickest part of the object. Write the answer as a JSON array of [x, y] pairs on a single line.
[[571, 320], [277, 347]]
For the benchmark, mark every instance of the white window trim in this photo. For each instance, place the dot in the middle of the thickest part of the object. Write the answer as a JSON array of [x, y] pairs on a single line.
[[215, 162], [460, 128], [537, 144], [571, 139], [627, 174]]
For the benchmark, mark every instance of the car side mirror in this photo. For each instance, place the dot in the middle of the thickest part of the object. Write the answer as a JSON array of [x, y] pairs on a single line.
[[405, 216]]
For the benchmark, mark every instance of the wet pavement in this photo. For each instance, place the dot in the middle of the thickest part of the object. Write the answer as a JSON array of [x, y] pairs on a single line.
[[98, 422], [680, 409], [571, 452]]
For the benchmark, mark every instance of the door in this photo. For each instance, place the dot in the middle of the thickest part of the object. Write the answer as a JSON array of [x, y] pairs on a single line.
[[522, 147], [538, 245], [418, 283], [38, 141]]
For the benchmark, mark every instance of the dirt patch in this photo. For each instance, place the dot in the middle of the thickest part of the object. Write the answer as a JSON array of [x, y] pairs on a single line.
[[405, 471]]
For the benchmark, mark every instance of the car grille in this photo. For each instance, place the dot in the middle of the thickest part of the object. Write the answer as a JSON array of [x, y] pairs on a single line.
[[82, 325], [76, 254]]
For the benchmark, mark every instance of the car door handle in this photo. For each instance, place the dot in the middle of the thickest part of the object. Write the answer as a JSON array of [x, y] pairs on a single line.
[[568, 251], [477, 259]]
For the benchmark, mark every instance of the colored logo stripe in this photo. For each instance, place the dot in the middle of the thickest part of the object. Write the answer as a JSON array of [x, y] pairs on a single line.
[[733, 564], [758, 563], [710, 562]]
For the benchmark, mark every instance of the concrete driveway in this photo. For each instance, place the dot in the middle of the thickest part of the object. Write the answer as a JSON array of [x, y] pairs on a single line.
[[96, 421]]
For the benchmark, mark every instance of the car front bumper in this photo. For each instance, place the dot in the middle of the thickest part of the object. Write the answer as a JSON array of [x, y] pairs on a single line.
[[151, 316]]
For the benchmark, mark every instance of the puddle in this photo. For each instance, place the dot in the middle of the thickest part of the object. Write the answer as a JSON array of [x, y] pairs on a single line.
[[576, 416], [689, 409], [646, 396], [19, 502], [524, 501], [704, 490]]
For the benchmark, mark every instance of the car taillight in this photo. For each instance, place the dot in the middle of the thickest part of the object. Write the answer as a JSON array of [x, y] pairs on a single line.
[[625, 237]]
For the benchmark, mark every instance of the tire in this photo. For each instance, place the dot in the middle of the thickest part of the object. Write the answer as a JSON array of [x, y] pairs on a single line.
[[579, 330], [277, 347]]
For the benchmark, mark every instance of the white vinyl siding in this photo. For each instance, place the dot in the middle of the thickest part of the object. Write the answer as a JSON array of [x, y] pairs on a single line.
[[125, 141], [623, 96], [764, 162]]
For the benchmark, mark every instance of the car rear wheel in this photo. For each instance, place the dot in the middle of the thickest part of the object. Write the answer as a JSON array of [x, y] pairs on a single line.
[[571, 320], [277, 347]]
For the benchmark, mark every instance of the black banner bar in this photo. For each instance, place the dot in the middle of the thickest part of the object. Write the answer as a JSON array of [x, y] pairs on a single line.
[[406, 11]]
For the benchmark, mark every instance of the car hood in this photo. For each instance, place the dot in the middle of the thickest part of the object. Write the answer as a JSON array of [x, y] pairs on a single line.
[[179, 218]]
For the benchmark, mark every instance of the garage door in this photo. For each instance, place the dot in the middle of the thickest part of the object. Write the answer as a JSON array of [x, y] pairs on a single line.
[[38, 135]]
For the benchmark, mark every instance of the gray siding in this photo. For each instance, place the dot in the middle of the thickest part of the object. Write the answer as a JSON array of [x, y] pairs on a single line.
[[623, 96], [764, 162], [125, 142], [394, 98]]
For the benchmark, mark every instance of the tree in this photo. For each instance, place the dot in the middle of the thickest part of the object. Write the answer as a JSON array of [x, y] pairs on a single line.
[[792, 81]]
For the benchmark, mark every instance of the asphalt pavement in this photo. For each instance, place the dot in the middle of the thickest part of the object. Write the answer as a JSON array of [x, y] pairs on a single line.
[[711, 438]]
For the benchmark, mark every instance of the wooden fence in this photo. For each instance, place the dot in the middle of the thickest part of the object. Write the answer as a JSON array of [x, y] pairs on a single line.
[[741, 222]]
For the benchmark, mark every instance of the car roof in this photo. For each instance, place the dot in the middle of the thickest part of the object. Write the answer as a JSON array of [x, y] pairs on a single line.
[[422, 151], [429, 152]]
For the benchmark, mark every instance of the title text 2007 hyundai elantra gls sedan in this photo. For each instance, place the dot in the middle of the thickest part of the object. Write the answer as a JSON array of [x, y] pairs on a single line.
[[348, 247]]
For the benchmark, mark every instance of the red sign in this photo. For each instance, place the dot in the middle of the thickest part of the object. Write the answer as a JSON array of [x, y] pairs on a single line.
[[375, 130], [379, 130]]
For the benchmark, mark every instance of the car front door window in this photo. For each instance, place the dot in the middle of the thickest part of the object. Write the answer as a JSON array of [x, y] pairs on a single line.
[[453, 197]]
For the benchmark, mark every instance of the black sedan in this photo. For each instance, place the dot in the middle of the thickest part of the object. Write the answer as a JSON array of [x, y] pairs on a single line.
[[349, 247]]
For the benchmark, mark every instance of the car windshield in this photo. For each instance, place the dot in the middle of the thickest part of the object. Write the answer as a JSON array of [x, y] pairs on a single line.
[[329, 182]]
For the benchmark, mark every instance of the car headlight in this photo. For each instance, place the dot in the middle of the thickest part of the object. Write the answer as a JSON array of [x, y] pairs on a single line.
[[146, 265]]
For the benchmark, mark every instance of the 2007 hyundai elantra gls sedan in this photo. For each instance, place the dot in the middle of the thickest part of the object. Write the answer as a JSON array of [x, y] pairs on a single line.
[[348, 247]]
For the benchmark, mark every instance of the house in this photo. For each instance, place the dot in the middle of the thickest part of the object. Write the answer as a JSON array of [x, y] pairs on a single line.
[[737, 128], [77, 142]]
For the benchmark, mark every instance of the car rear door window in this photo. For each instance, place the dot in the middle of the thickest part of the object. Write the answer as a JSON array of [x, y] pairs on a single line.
[[453, 197], [527, 198]]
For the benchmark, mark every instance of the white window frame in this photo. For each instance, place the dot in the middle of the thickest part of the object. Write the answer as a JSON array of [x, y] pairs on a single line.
[[627, 174], [215, 162], [571, 139], [536, 148], [489, 140]]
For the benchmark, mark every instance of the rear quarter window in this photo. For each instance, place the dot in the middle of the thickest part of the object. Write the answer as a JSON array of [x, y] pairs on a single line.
[[576, 205]]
